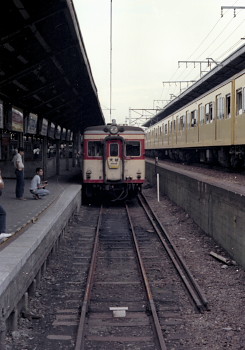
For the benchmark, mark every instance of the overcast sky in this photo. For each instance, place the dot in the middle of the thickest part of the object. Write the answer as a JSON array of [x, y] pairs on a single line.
[[149, 37]]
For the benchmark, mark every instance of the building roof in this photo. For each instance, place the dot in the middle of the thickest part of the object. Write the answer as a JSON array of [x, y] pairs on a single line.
[[232, 65], [44, 67]]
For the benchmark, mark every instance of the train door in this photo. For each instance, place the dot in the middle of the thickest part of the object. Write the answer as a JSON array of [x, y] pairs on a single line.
[[114, 160]]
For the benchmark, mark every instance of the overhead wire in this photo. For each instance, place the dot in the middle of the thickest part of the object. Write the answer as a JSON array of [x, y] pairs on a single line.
[[209, 33], [188, 74], [243, 21], [204, 39], [224, 41], [230, 49], [177, 70], [216, 38]]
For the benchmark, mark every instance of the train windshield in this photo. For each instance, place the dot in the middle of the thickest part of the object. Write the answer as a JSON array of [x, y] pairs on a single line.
[[133, 148], [114, 150], [95, 149]]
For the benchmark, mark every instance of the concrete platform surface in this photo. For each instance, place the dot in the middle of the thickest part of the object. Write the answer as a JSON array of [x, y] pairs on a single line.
[[41, 224], [21, 213]]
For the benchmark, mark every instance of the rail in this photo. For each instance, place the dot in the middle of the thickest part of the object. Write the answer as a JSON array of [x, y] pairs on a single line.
[[147, 287], [89, 284], [192, 286]]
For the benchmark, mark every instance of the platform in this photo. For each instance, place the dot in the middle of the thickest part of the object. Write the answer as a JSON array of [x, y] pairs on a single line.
[[22, 213], [39, 225], [216, 206]]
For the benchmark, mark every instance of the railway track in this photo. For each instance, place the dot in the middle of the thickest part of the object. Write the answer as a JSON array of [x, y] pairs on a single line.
[[119, 269], [118, 309], [191, 285], [118, 272]]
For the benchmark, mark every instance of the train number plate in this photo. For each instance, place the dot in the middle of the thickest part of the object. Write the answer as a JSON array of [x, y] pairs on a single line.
[[113, 162]]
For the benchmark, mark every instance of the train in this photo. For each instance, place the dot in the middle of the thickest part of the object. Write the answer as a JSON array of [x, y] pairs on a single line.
[[208, 129], [113, 161]]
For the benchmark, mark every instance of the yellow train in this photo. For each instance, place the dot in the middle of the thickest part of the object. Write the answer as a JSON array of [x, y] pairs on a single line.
[[209, 128]]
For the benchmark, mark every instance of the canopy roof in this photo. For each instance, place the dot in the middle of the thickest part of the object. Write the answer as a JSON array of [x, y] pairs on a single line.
[[44, 67]]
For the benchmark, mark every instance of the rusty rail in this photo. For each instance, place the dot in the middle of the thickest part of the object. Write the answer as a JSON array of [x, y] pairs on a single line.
[[147, 288], [192, 286], [89, 284]]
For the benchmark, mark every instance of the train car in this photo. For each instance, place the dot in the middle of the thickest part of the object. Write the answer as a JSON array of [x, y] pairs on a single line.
[[208, 129], [113, 161]]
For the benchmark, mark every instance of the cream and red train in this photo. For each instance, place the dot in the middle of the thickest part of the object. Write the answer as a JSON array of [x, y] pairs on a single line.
[[113, 161], [210, 128]]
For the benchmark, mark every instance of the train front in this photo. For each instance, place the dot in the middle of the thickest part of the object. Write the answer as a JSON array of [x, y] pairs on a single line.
[[114, 161]]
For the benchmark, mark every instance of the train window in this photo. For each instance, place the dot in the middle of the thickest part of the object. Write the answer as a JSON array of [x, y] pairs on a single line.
[[193, 118], [243, 99], [228, 105], [239, 101], [182, 122], [202, 114], [209, 112], [95, 149], [220, 103], [188, 120], [211, 115], [133, 148], [114, 150]]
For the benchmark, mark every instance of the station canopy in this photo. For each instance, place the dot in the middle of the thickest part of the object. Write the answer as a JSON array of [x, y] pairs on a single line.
[[44, 68], [224, 70]]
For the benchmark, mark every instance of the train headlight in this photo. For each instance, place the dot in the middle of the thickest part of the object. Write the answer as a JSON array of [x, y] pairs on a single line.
[[138, 174], [88, 174], [113, 129]]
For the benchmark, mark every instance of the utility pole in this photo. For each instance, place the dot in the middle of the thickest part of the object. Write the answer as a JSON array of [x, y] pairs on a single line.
[[208, 63], [159, 102], [180, 82], [143, 115], [200, 63], [110, 59]]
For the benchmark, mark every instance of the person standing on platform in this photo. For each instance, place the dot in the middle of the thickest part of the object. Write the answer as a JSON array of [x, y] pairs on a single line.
[[3, 234], [2, 220], [37, 187], [19, 172], [2, 211]]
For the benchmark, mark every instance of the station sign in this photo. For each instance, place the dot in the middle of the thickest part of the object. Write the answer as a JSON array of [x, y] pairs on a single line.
[[58, 132], [63, 134], [44, 127], [31, 126], [68, 135], [51, 130], [16, 119]]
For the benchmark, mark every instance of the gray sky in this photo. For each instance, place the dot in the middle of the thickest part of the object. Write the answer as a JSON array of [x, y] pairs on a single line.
[[149, 37]]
